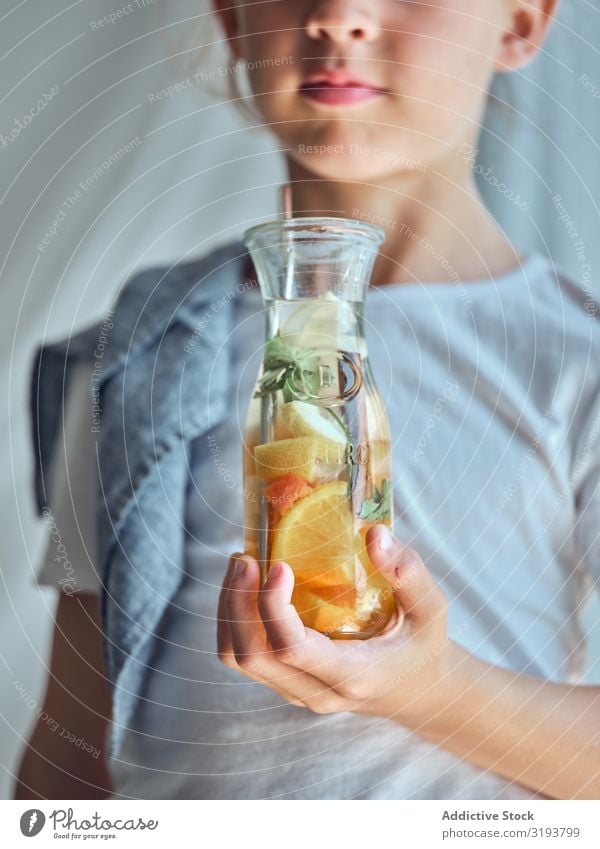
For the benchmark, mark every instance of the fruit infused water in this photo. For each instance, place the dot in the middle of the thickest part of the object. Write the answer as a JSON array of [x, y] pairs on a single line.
[[317, 442]]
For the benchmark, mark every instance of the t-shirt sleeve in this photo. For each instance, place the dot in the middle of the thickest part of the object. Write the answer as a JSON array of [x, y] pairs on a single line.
[[68, 562], [587, 501]]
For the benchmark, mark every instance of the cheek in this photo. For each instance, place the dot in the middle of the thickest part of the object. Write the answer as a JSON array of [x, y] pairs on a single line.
[[274, 78], [268, 31], [272, 63], [443, 72]]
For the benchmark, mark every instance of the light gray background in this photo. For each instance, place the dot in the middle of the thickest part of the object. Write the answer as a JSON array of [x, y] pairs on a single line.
[[198, 176]]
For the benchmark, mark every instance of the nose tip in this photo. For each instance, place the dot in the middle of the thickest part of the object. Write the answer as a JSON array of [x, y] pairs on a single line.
[[340, 22]]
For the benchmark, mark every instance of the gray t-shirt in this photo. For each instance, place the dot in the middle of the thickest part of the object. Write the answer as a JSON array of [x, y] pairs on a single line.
[[493, 393]]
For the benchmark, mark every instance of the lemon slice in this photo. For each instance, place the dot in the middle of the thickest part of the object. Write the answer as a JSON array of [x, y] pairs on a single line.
[[326, 322], [298, 418], [309, 457]]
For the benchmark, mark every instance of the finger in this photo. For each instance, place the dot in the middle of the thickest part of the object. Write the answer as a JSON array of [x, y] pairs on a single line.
[[331, 661], [224, 645], [246, 630], [250, 648], [416, 591], [224, 648], [281, 620]]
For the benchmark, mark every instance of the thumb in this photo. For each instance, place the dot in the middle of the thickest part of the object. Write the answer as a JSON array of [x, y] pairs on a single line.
[[416, 592]]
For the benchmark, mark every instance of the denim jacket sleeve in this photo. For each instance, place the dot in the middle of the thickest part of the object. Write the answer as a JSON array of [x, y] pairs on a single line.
[[158, 380]]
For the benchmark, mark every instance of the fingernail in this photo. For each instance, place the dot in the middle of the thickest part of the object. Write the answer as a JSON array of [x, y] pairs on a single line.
[[233, 559], [240, 568], [386, 540], [274, 571]]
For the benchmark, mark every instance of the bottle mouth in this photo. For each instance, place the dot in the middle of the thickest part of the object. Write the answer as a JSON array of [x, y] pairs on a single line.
[[314, 229]]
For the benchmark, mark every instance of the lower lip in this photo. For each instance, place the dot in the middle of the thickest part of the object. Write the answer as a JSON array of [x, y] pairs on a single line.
[[340, 96]]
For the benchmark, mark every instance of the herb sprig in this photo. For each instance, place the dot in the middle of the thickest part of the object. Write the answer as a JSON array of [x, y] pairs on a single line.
[[287, 368], [379, 506]]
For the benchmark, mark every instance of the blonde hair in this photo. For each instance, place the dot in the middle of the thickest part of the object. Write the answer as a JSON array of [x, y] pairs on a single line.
[[205, 52]]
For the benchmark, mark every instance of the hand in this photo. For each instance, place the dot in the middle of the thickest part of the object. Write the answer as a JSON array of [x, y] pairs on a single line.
[[396, 674]]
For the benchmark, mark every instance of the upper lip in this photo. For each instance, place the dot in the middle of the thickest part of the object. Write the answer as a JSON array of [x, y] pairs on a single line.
[[339, 78]]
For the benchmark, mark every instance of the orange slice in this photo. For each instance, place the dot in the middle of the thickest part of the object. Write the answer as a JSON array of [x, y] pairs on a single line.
[[342, 596], [323, 616], [316, 538], [284, 492]]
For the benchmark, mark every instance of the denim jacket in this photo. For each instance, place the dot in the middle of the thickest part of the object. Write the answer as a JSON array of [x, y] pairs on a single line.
[[158, 379]]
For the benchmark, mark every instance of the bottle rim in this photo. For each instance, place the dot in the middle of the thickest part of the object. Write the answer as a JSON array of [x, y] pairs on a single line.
[[316, 227]]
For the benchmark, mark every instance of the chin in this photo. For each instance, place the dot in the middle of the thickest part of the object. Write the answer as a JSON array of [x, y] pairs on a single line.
[[342, 167]]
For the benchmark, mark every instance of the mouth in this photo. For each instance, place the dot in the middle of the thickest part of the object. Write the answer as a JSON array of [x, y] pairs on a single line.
[[338, 88]]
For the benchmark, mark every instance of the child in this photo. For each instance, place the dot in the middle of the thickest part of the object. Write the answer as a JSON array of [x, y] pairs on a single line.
[[488, 361]]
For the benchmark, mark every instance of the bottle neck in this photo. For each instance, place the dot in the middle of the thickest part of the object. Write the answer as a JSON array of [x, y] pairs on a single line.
[[314, 258]]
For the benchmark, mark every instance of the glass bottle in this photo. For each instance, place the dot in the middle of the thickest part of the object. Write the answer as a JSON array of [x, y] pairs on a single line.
[[317, 464]]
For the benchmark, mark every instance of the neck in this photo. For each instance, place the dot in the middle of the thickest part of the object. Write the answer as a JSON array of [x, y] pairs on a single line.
[[437, 228]]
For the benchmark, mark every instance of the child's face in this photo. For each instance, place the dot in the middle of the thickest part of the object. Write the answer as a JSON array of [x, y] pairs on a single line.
[[430, 60]]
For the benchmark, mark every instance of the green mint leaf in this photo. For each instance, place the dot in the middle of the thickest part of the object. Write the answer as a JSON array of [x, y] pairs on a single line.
[[278, 354], [284, 367], [378, 507]]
